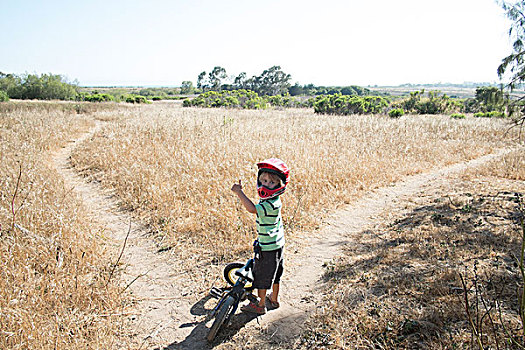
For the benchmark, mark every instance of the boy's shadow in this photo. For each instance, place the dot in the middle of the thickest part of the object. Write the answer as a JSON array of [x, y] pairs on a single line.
[[197, 338]]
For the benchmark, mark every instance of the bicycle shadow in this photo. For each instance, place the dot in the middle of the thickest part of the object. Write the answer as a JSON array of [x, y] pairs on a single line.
[[197, 338]]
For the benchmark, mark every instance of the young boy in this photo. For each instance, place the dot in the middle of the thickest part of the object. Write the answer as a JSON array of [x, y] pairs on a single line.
[[272, 179]]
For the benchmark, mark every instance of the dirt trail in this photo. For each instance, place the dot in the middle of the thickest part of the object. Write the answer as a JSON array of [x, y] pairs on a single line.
[[343, 226], [167, 319], [160, 307]]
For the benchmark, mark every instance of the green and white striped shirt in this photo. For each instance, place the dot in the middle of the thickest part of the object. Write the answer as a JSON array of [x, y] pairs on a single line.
[[270, 229]]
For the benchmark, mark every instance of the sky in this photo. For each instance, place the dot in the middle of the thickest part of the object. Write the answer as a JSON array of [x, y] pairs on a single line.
[[327, 43]]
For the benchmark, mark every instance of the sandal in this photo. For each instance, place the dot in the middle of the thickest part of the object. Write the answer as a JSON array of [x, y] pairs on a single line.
[[272, 305], [254, 309]]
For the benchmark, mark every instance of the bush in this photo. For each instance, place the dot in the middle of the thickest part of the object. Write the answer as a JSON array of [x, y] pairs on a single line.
[[99, 98], [3, 96], [457, 116], [230, 99], [136, 99], [434, 103], [493, 114], [346, 105], [490, 98], [41, 87], [162, 92], [470, 105], [396, 113]]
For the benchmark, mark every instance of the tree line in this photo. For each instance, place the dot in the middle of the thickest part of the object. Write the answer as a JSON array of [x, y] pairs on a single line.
[[271, 82], [34, 86], [55, 87]]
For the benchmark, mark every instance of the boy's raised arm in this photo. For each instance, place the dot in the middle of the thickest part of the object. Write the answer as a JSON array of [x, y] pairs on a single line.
[[248, 204]]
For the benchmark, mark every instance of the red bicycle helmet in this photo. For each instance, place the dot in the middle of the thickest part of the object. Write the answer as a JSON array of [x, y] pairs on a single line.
[[273, 166]]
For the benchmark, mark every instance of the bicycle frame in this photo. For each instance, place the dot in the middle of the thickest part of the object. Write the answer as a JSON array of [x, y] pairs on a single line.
[[237, 291], [230, 297]]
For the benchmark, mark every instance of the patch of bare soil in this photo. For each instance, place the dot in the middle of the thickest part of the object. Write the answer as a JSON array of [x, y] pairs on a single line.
[[168, 314]]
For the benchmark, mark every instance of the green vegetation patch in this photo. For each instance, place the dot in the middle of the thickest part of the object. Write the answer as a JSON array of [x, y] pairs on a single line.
[[346, 105], [229, 99]]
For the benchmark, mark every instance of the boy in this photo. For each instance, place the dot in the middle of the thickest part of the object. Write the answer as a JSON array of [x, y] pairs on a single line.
[[272, 179]]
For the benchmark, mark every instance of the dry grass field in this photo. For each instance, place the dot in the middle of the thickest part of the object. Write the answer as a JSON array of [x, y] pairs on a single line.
[[173, 167], [400, 286], [53, 273]]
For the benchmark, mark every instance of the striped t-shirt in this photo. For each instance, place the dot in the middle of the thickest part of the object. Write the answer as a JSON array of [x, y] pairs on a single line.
[[270, 224]]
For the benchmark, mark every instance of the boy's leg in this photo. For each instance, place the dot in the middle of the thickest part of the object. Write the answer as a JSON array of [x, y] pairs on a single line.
[[274, 297], [275, 292], [261, 293], [265, 271]]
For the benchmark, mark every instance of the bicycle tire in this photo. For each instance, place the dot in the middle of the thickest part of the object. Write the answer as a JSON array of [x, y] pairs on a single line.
[[222, 314], [231, 278]]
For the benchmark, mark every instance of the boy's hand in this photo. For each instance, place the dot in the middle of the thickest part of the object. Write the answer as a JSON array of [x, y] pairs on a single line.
[[237, 187], [248, 204]]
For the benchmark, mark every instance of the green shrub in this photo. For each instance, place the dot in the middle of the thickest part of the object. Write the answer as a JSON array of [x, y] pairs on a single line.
[[162, 92], [457, 116], [99, 98], [346, 105], [41, 87], [229, 99], [434, 103], [396, 113], [493, 114], [156, 98], [175, 98], [285, 101], [491, 98], [136, 99], [3, 96]]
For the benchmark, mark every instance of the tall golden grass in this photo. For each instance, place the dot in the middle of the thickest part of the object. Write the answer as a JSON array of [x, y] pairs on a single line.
[[400, 286], [511, 166], [174, 166], [53, 267]]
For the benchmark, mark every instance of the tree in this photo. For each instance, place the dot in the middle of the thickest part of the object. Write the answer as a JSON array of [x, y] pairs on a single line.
[[186, 87], [490, 98], [515, 61], [202, 83], [309, 89], [216, 76], [273, 81], [3, 96], [11, 84], [347, 90], [240, 81], [296, 90], [514, 64]]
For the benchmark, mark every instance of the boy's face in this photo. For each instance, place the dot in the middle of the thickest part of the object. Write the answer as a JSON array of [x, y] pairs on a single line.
[[269, 181]]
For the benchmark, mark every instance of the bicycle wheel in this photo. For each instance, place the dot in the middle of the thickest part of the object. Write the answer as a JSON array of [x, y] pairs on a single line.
[[222, 314], [231, 278]]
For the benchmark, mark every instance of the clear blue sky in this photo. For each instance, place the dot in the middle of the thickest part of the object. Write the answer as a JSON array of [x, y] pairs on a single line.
[[329, 42]]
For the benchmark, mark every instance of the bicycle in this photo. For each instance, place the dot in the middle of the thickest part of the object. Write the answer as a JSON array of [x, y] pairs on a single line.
[[240, 278]]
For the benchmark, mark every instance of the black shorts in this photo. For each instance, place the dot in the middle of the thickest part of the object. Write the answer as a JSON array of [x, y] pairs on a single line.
[[268, 268]]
